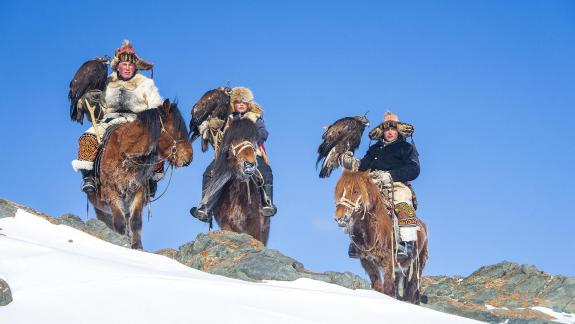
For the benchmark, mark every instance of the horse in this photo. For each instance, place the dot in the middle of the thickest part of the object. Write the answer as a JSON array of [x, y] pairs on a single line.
[[233, 193], [127, 160], [367, 217]]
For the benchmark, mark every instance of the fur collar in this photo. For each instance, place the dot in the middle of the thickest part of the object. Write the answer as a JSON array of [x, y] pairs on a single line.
[[115, 82]]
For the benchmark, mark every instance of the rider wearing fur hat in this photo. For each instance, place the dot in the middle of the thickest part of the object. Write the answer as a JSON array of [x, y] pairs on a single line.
[[243, 106], [127, 93], [392, 163]]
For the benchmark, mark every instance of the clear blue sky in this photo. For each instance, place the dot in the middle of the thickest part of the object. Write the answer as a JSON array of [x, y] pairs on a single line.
[[489, 86]]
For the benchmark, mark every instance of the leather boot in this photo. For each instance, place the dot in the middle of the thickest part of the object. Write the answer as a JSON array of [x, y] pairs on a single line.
[[405, 249], [152, 187], [88, 182], [268, 207], [352, 251], [201, 212]]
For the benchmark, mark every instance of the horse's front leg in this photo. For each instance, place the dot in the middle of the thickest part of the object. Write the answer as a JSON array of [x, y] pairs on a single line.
[[373, 273], [136, 219], [388, 274], [118, 215]]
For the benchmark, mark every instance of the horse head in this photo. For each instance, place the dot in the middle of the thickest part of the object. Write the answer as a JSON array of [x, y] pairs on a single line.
[[173, 142], [355, 196], [239, 148]]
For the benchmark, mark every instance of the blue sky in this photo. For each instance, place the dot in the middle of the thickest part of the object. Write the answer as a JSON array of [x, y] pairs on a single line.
[[489, 86]]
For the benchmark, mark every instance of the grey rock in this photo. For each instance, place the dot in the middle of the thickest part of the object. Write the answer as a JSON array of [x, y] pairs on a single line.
[[7, 209], [5, 293], [242, 257]]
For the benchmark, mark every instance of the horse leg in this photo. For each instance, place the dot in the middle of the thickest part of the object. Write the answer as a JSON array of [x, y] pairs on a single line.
[[265, 229], [374, 275], [104, 217], [136, 220], [389, 283], [118, 217]]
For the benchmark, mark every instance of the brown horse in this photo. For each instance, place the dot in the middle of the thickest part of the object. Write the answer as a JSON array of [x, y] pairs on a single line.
[[128, 160], [366, 215], [233, 192]]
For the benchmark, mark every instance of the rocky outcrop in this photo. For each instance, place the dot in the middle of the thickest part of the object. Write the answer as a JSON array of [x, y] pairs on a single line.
[[242, 257], [5, 293], [501, 292]]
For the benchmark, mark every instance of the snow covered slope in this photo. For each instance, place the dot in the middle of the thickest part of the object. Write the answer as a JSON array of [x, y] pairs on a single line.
[[61, 275]]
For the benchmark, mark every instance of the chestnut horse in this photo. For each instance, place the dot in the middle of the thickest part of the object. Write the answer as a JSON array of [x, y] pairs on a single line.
[[366, 216], [127, 161], [233, 192]]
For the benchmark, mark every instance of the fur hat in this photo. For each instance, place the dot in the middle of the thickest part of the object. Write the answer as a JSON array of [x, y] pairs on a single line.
[[243, 94], [390, 120], [126, 53]]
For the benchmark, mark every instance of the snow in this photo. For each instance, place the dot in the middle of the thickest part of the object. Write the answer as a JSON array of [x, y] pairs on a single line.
[[489, 307], [559, 317], [61, 275]]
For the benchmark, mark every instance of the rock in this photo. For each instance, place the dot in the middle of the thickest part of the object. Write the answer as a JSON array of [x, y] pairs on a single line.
[[93, 227], [512, 289], [242, 257], [7, 209], [5, 293]]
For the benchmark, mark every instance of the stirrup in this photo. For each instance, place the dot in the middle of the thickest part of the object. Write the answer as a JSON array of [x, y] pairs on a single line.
[[200, 213], [88, 185], [269, 211]]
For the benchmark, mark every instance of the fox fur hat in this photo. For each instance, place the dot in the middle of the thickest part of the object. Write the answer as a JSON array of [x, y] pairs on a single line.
[[126, 53], [243, 94]]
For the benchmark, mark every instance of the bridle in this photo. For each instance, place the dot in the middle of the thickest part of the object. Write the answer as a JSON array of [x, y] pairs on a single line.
[[240, 147], [352, 207]]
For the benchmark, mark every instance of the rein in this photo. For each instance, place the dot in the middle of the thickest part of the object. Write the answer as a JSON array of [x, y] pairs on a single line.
[[173, 152]]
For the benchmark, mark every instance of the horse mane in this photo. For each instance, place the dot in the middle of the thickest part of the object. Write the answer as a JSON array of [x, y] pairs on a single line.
[[150, 119], [239, 130], [351, 181]]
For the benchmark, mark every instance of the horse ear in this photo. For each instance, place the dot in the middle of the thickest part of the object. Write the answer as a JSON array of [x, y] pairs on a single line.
[[167, 106]]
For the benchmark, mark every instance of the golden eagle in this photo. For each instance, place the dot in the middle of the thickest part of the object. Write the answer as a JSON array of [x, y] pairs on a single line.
[[90, 76], [343, 135], [214, 103]]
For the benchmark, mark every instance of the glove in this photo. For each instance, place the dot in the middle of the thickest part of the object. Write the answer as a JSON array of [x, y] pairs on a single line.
[[203, 127], [380, 178], [251, 116], [215, 123], [348, 161]]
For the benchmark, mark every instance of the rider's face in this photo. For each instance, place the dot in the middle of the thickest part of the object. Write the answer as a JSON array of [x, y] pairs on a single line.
[[126, 70], [390, 134], [240, 107]]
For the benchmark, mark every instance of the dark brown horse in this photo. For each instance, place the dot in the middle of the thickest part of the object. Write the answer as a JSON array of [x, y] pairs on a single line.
[[127, 162], [233, 193], [366, 215]]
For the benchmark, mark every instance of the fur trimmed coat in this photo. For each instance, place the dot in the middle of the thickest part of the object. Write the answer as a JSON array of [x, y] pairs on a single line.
[[132, 96]]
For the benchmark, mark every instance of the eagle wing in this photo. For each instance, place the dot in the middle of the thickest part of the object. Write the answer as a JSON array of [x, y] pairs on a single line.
[[92, 75], [343, 135], [214, 103]]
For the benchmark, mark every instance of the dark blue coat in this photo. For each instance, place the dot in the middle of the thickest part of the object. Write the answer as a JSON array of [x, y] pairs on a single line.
[[400, 158]]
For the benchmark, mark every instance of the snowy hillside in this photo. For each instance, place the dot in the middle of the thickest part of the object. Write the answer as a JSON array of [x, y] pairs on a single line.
[[61, 275]]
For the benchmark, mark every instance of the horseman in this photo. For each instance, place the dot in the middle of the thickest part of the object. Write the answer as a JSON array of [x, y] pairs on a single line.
[[393, 163], [242, 106], [127, 93]]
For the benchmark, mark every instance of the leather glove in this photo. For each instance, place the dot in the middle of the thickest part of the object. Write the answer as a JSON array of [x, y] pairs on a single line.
[[203, 127], [380, 178], [215, 123], [348, 161], [251, 116]]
